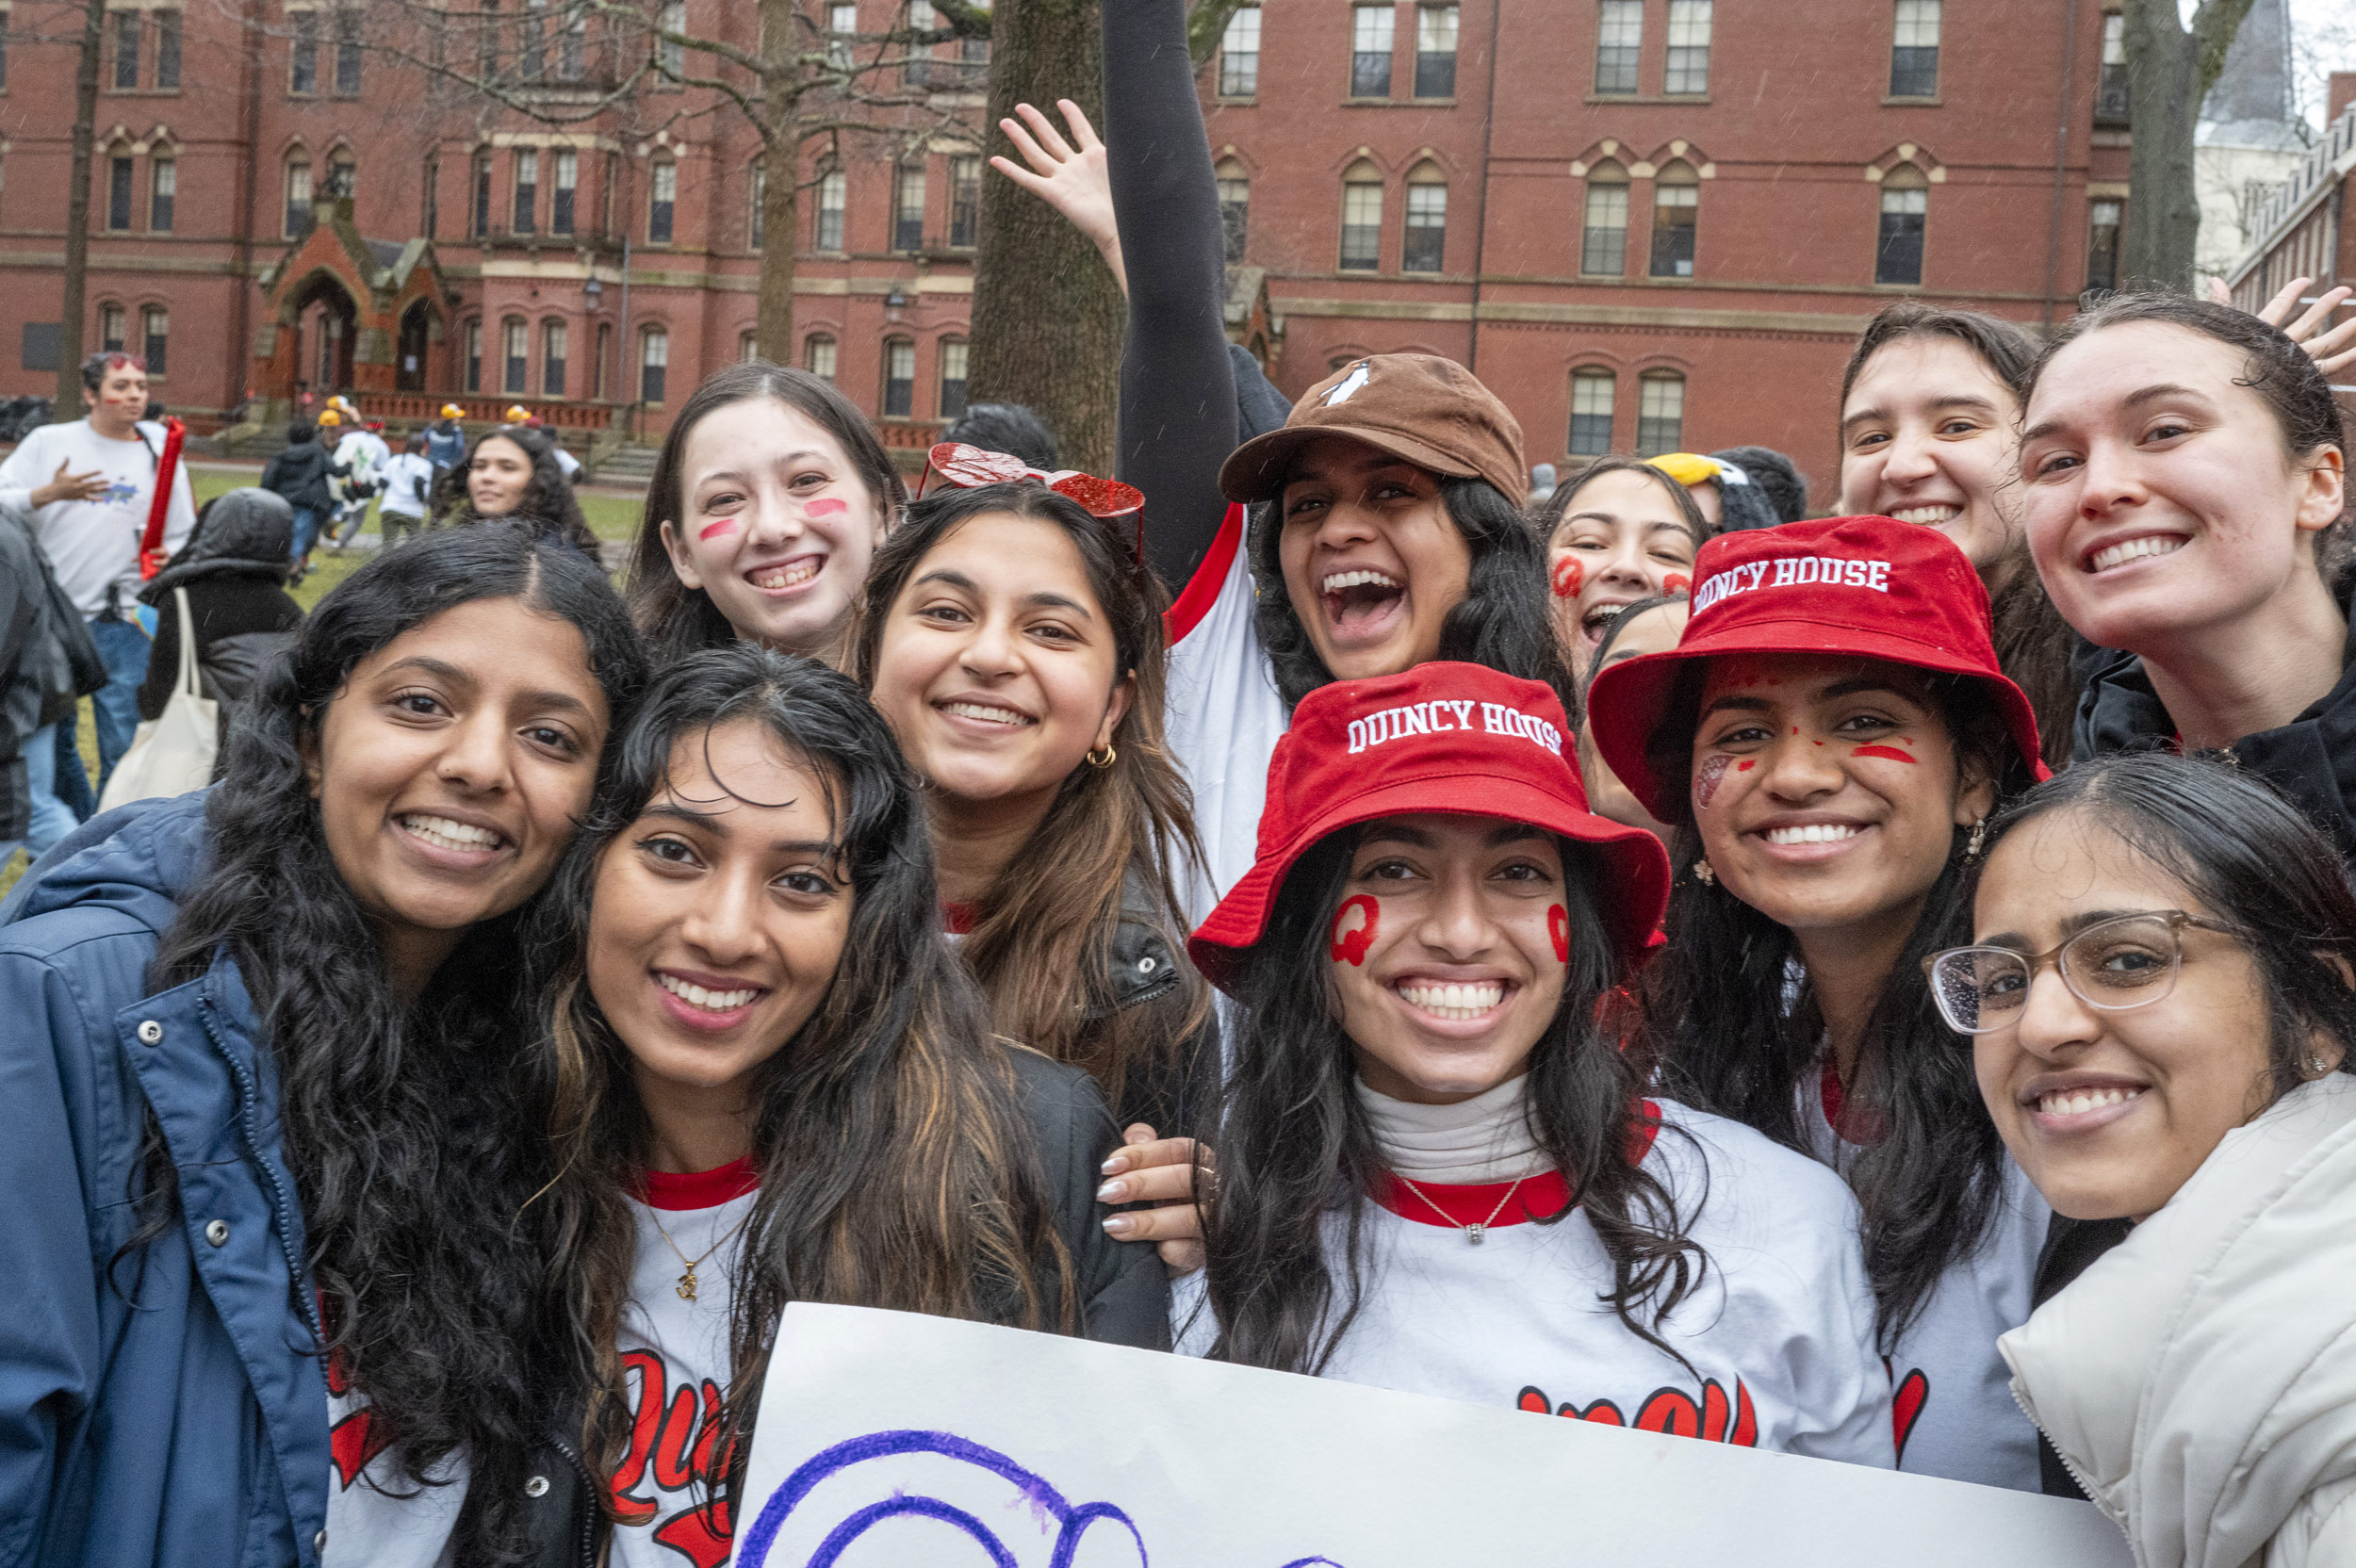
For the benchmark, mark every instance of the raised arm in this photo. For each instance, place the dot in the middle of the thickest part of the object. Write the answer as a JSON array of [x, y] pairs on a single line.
[[1177, 388]]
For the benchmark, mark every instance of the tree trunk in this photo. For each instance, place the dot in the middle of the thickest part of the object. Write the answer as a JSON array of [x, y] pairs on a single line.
[[71, 311], [781, 174], [2169, 71], [1047, 315]]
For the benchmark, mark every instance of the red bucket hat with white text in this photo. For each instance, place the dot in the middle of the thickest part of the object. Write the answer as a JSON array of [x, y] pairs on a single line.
[[1457, 739], [1874, 587]]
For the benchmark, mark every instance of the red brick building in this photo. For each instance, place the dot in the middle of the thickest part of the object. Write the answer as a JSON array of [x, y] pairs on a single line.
[[1645, 222], [2305, 226]]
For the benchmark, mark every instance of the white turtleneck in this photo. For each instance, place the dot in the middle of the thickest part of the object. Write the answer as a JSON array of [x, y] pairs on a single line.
[[1485, 1138]]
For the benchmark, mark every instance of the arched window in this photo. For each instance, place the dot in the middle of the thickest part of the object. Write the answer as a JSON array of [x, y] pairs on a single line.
[[113, 322], [818, 355], [1676, 195], [555, 350], [516, 354], [908, 207], [343, 174], [1593, 390], [1362, 217], [952, 377], [120, 165], [662, 203], [1603, 241], [1235, 202], [1661, 413], [899, 389], [755, 220], [298, 193], [163, 189], [829, 230], [474, 356], [527, 214], [747, 347], [156, 338], [1906, 203], [1424, 247], [654, 362]]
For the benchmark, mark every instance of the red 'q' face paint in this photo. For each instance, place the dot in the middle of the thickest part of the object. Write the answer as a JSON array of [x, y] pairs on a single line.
[[827, 506], [1558, 930], [1354, 925], [1676, 583], [1706, 781], [1569, 577], [713, 531]]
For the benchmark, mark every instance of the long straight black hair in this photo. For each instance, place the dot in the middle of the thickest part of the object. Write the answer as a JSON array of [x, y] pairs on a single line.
[[2251, 858], [1724, 1033], [1503, 621], [896, 1168], [401, 1122], [1295, 1146]]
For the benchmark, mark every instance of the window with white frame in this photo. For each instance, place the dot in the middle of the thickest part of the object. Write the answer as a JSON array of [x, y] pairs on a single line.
[[1240, 55], [1362, 219], [662, 204], [818, 356], [113, 322], [562, 197], [1619, 43], [1689, 47], [1424, 247], [952, 377], [832, 187], [1603, 237], [163, 186], [1234, 209], [515, 340], [1676, 196], [555, 350], [1906, 206], [654, 363], [755, 222], [1435, 51], [527, 188], [1661, 413], [1914, 50], [298, 198], [474, 356], [907, 208], [899, 389], [1593, 390], [671, 55], [1372, 29], [842, 24], [156, 338]]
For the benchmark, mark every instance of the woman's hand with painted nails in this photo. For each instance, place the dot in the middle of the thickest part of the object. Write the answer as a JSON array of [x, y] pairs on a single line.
[[2333, 348], [1150, 1168], [1069, 178]]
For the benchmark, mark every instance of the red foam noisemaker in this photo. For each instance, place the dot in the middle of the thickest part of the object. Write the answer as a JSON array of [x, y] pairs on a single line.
[[167, 469]]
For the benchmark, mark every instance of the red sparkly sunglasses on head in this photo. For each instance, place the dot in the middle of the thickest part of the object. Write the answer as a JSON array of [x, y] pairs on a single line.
[[969, 467]]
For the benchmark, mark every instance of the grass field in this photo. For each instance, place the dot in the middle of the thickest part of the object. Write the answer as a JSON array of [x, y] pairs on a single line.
[[614, 517]]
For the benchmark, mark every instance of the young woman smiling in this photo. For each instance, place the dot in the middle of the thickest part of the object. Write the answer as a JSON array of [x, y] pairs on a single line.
[[2184, 466], [1827, 738], [511, 474], [1014, 644], [1647, 626], [769, 1081], [1618, 531], [766, 505], [2160, 1006], [1929, 410], [1433, 1167], [269, 1298]]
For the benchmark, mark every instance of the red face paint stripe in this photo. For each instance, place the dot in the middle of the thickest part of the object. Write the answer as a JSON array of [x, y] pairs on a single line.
[[1676, 583], [827, 506], [1746, 765], [1350, 942], [712, 531], [1890, 753], [1558, 930]]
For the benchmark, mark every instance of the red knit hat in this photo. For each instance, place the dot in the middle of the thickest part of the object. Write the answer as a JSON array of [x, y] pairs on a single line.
[[1457, 739], [1874, 587]]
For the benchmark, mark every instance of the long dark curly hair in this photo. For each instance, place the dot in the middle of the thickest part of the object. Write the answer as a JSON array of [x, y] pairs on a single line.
[[1503, 621], [1294, 1145], [896, 1166], [1726, 1036], [400, 1121], [549, 503]]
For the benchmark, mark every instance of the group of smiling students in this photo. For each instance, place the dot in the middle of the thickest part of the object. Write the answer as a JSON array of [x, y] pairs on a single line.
[[412, 1140]]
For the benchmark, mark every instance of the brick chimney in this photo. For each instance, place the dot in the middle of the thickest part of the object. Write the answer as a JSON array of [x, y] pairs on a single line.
[[2339, 95]]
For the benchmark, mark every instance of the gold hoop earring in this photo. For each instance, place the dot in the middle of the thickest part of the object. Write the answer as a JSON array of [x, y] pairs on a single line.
[[1704, 875], [1107, 760], [1979, 837]]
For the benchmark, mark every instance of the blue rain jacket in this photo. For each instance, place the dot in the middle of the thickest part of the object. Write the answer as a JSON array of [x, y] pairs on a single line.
[[165, 1408]]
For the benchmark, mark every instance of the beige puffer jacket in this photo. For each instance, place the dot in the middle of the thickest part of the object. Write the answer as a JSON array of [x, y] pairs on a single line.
[[2201, 1377]]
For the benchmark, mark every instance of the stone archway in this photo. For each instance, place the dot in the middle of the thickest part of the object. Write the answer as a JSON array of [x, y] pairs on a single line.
[[325, 322], [347, 314], [415, 347]]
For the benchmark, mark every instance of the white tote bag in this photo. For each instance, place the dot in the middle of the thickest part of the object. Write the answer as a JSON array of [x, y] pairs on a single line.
[[172, 754]]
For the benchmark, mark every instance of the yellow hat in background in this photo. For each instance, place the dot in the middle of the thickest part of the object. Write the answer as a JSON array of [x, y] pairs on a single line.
[[516, 414], [452, 411], [329, 416]]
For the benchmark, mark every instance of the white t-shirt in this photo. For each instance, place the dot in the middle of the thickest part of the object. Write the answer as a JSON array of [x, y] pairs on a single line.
[[408, 484], [1223, 713], [675, 1362], [94, 544], [567, 462], [1780, 1330], [363, 453], [375, 1517], [1952, 1393]]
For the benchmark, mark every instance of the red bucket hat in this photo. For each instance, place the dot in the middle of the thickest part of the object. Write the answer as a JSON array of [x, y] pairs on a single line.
[[1458, 739], [1874, 587]]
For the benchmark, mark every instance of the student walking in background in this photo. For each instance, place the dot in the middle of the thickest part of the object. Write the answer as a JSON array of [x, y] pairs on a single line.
[[87, 486], [299, 473], [408, 479]]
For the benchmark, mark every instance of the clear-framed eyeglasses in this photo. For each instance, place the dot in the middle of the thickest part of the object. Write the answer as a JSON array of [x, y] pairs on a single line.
[[2111, 966]]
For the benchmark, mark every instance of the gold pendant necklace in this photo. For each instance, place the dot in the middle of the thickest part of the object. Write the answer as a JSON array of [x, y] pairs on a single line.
[[1475, 1235], [687, 1281]]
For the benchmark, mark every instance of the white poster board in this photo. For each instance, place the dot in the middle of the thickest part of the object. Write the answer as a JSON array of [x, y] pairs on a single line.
[[892, 1441]]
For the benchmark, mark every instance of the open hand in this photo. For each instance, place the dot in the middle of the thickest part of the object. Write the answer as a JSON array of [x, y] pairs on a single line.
[[1161, 1171], [2333, 348], [1070, 179], [63, 486]]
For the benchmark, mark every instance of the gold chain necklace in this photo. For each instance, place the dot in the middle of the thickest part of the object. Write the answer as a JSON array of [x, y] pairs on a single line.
[[687, 1281], [1473, 1234]]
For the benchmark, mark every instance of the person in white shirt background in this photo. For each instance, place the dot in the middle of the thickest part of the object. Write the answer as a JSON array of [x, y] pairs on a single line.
[[87, 486], [360, 459], [408, 480]]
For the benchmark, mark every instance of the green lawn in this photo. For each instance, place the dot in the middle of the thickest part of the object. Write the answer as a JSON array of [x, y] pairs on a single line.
[[612, 516]]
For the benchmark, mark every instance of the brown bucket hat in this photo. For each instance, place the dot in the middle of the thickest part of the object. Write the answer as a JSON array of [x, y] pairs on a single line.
[[1420, 408]]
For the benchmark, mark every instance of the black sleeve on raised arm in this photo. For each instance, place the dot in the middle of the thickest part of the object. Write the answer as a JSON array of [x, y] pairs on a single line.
[[1177, 389]]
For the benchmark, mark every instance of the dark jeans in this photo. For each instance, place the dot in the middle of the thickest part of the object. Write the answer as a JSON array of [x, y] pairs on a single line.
[[306, 527], [115, 709]]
